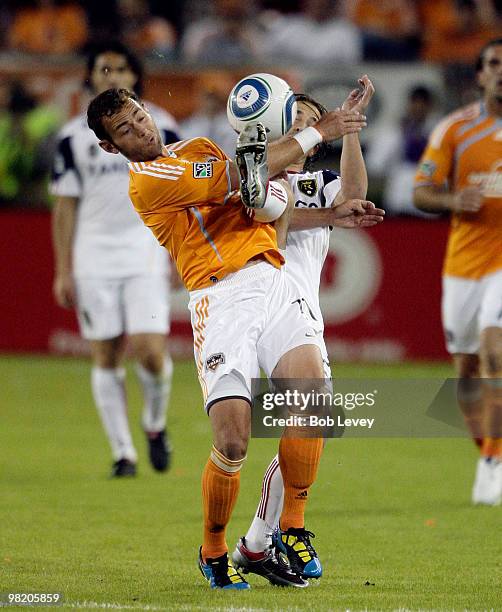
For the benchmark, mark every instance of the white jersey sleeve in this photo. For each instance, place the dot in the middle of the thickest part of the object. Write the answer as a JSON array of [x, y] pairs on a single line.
[[66, 179]]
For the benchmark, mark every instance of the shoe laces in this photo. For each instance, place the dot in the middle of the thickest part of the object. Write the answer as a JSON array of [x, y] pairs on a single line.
[[304, 536], [222, 570]]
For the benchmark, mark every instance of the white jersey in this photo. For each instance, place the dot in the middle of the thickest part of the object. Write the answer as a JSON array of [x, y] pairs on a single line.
[[110, 239], [306, 250]]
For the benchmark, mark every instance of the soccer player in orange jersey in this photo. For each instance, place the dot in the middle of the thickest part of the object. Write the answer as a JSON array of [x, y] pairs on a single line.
[[242, 314], [461, 172]]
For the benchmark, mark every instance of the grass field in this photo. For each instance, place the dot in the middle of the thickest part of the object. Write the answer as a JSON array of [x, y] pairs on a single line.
[[393, 521]]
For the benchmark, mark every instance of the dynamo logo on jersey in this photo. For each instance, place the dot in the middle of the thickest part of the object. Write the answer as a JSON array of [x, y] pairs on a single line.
[[250, 98]]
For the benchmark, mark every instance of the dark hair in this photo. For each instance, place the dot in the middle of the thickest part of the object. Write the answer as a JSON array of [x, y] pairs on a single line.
[[20, 100], [302, 97], [481, 56], [322, 149], [117, 47], [421, 92], [105, 105]]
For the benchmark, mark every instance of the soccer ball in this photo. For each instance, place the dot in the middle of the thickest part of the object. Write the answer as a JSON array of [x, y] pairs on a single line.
[[262, 98]]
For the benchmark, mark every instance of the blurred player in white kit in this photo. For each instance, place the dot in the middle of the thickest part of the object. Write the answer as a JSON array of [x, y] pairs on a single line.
[[110, 268], [323, 199]]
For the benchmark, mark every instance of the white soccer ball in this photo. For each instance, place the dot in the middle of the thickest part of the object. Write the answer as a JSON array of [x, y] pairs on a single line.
[[262, 98]]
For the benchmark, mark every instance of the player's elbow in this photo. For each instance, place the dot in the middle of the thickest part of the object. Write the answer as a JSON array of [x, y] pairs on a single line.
[[420, 200]]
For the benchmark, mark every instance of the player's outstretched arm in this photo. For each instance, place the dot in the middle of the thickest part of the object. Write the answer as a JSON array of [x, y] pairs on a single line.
[[352, 167], [435, 199], [63, 227], [349, 214], [335, 124], [357, 213]]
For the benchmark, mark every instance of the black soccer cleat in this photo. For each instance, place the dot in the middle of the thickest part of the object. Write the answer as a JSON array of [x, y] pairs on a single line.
[[221, 574], [122, 468], [272, 566], [159, 450], [251, 159], [296, 545]]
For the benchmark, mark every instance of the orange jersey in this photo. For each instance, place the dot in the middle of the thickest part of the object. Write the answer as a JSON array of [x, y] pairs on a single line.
[[465, 149], [185, 199]]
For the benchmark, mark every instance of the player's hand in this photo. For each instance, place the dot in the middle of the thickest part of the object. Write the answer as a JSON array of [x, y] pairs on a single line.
[[357, 213], [64, 290], [469, 199], [338, 123], [359, 98]]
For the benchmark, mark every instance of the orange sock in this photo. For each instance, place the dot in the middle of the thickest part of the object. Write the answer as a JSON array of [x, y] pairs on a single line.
[[220, 487], [492, 447], [299, 459]]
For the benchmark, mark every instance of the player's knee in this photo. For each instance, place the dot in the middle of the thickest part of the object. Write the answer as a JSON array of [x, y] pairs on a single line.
[[106, 354], [467, 366], [234, 449], [229, 456], [151, 360], [491, 365]]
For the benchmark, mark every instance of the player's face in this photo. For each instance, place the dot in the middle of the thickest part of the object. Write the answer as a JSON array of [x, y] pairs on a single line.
[[490, 76], [111, 71], [306, 116], [133, 133]]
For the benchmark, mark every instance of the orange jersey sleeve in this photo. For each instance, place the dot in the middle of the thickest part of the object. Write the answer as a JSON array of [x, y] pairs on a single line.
[[437, 160], [184, 198], [464, 150]]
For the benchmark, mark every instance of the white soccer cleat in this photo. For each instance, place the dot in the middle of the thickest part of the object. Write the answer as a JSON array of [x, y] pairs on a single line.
[[251, 159], [487, 489]]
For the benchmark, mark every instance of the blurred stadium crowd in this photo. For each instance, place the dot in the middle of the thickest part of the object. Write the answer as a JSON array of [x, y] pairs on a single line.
[[204, 34]]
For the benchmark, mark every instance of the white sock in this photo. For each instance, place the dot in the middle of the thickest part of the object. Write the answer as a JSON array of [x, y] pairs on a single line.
[[109, 393], [275, 204], [266, 519], [156, 391]]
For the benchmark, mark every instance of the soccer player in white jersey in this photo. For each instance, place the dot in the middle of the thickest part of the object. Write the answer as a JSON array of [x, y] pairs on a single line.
[[323, 199], [110, 268]]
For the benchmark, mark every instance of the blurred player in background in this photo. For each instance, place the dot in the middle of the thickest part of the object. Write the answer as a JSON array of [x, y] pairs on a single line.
[[461, 172], [242, 314], [111, 269], [322, 199]]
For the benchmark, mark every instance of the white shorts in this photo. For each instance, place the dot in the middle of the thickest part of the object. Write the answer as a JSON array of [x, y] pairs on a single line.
[[109, 308], [245, 322], [469, 307], [306, 308]]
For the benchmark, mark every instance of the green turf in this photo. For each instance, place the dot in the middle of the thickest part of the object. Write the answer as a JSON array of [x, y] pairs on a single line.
[[394, 526]]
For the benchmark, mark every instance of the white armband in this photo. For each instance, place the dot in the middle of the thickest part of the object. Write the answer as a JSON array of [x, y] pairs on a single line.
[[308, 139]]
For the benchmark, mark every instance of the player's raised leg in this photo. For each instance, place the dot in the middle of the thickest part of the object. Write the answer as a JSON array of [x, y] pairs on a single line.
[[266, 201]]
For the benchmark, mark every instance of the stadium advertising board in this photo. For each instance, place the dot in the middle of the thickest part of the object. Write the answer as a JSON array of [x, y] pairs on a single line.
[[380, 293]]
